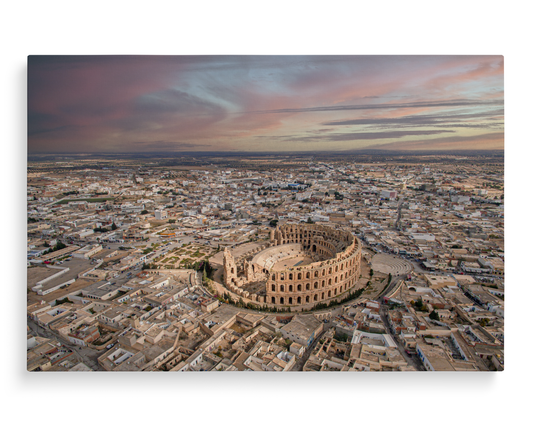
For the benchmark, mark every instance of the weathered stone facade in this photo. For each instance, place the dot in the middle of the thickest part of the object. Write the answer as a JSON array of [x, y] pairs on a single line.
[[335, 268]]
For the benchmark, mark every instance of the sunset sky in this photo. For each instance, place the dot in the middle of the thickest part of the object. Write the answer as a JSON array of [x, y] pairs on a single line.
[[113, 104]]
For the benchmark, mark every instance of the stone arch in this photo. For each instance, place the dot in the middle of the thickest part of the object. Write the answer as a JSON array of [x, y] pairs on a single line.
[[290, 277], [299, 275], [299, 287], [282, 300], [299, 300], [282, 288], [290, 288], [307, 286], [306, 299], [316, 284], [290, 300], [273, 287]]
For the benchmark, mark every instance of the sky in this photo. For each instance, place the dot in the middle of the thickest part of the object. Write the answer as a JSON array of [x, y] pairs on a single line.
[[115, 104]]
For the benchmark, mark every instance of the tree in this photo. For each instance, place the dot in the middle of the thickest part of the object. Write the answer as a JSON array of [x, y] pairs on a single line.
[[144, 212], [113, 227], [434, 315], [273, 223]]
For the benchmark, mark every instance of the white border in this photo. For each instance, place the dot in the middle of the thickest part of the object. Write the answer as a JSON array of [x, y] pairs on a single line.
[[275, 27]]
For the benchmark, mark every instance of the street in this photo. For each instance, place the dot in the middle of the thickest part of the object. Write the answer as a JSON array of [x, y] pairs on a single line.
[[84, 354]]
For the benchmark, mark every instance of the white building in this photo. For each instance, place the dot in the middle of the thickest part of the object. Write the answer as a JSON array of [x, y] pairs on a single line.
[[160, 214]]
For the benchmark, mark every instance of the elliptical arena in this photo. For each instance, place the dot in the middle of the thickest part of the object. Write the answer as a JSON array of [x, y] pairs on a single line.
[[301, 266]]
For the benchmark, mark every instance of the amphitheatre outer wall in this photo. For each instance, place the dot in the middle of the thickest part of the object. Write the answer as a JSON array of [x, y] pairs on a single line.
[[333, 273]]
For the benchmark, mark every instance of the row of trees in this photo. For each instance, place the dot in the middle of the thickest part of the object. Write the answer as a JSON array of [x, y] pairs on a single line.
[[57, 247]]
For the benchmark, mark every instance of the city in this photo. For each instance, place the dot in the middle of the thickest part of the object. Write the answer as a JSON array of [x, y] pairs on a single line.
[[175, 264]]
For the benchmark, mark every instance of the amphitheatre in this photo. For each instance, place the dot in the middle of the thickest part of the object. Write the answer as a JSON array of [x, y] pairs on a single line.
[[300, 266], [389, 264]]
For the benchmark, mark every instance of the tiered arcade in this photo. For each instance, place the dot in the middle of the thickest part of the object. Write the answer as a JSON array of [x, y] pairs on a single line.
[[333, 260]]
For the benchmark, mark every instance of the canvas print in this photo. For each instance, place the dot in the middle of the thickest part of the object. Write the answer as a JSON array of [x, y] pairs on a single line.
[[265, 213]]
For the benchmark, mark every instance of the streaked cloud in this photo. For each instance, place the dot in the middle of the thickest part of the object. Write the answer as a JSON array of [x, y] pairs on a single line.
[[264, 103]]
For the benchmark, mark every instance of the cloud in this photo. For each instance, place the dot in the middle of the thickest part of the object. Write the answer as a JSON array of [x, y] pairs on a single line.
[[493, 140], [361, 136], [471, 120], [423, 104]]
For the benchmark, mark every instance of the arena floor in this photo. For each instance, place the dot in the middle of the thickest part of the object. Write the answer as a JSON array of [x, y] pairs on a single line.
[[292, 262]]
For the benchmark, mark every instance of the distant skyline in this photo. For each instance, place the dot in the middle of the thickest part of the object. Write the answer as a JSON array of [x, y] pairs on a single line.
[[114, 104]]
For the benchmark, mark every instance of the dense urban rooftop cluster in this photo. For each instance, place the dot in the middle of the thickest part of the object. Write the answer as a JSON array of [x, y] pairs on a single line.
[[121, 256]]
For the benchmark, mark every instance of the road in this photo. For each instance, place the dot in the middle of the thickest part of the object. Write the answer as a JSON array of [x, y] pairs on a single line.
[[413, 361], [299, 365], [86, 355]]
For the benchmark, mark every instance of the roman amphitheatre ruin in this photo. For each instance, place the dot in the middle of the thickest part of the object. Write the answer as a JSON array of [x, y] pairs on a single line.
[[301, 266]]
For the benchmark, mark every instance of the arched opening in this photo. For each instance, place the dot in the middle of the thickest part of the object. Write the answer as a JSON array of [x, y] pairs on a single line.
[[316, 274], [316, 285], [314, 248], [290, 300], [315, 298], [273, 287], [306, 299], [307, 275], [281, 288], [282, 300], [322, 296], [307, 286], [290, 288], [329, 281], [299, 287], [299, 275], [323, 283], [290, 277], [273, 277], [273, 299], [329, 293], [299, 300]]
